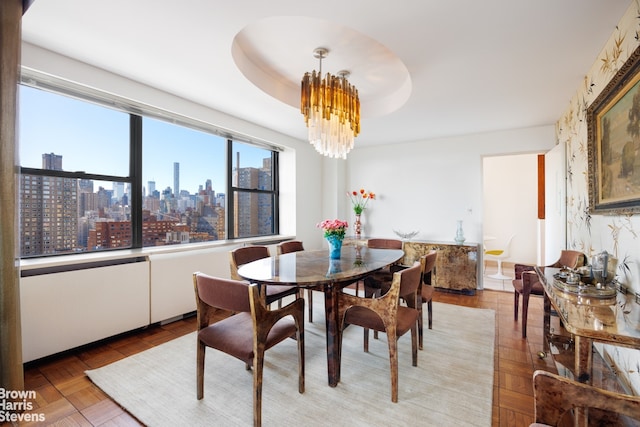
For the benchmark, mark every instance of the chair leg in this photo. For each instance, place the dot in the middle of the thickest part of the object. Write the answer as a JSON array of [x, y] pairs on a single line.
[[258, 366], [393, 361], [430, 310], [365, 340], [414, 346], [300, 339], [516, 303], [420, 323], [525, 312], [200, 370]]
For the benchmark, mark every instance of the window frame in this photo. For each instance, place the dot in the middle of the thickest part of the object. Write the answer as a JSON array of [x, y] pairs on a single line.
[[137, 112], [233, 190]]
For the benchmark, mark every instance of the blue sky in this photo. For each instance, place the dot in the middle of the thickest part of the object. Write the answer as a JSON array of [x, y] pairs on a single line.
[[95, 139]]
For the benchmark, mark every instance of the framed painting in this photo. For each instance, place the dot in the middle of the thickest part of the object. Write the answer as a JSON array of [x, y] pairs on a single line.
[[613, 121]]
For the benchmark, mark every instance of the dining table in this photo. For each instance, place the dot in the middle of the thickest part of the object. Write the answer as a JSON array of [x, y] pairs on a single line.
[[315, 270]]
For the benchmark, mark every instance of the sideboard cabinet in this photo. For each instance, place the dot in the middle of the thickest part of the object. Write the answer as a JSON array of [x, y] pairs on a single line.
[[456, 267]]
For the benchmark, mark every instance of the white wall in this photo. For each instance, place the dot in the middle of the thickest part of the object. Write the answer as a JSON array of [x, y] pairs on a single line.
[[428, 185]]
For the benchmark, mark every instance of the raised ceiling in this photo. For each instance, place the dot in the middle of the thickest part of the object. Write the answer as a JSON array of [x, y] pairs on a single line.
[[424, 68]]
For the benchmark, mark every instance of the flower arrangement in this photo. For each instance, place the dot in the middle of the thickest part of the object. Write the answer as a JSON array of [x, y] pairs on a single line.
[[359, 199], [333, 228]]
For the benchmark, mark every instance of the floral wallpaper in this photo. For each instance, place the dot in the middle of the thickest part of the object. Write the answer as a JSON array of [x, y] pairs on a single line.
[[590, 233]]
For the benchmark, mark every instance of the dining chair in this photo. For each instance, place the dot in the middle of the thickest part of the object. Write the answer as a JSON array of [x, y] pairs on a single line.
[[385, 314], [296, 246], [499, 255], [425, 291], [248, 333], [557, 398], [246, 254], [373, 284], [526, 282]]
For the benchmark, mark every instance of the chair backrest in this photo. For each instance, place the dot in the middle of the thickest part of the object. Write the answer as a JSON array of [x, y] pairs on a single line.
[[218, 293], [571, 259], [290, 246], [409, 281], [555, 396], [499, 251], [244, 255], [519, 269], [507, 247], [427, 264], [384, 243]]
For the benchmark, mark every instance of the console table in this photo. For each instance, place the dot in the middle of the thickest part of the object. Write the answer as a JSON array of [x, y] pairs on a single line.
[[456, 265]]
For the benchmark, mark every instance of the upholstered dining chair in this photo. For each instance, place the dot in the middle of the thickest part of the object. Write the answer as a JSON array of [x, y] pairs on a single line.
[[296, 246], [556, 399], [385, 314], [372, 286], [526, 282], [246, 254], [375, 283], [425, 291], [248, 333]]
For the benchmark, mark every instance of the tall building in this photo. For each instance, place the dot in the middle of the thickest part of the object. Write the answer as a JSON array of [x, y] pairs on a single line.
[[152, 187], [118, 190], [253, 211], [176, 179], [52, 161], [48, 211]]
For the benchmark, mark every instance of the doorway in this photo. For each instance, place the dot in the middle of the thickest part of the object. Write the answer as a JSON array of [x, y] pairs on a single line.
[[510, 207]]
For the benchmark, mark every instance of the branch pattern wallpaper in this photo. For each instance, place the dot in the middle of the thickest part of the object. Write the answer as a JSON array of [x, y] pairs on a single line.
[[591, 233]]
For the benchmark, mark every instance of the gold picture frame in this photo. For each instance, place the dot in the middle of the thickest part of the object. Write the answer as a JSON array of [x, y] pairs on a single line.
[[613, 122]]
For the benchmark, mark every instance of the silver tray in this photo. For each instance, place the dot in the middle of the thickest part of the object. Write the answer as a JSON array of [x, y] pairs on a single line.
[[584, 289]]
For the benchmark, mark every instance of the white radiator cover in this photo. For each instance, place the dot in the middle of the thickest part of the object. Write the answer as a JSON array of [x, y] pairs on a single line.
[[172, 291], [60, 311], [65, 310]]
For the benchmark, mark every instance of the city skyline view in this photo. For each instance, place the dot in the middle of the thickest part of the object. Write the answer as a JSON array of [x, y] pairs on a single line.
[[183, 173]]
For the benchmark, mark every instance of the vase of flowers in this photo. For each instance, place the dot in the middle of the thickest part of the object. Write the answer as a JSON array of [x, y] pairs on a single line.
[[359, 200], [334, 231]]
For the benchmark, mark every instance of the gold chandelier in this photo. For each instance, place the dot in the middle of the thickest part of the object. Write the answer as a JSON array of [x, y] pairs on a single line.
[[331, 110]]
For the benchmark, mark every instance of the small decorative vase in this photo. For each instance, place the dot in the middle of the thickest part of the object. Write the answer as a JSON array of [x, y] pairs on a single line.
[[358, 262], [459, 234], [335, 246], [357, 226]]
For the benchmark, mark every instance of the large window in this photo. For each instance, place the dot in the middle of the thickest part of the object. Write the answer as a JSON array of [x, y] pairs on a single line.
[[94, 177], [253, 190]]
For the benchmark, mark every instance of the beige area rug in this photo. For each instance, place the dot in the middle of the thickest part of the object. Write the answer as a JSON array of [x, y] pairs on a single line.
[[452, 385]]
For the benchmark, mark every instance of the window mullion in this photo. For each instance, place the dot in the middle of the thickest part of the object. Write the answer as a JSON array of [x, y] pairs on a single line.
[[135, 171]]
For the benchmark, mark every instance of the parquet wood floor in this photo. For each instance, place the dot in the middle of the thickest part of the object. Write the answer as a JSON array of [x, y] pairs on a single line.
[[67, 397]]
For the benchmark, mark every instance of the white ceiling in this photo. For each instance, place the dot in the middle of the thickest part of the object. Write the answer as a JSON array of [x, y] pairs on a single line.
[[466, 66]]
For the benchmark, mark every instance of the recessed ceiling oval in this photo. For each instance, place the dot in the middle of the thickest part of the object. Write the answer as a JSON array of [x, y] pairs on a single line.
[[274, 53]]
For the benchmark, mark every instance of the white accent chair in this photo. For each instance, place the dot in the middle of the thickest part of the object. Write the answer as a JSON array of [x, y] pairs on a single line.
[[498, 255]]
